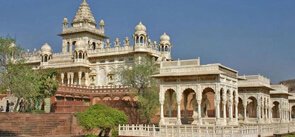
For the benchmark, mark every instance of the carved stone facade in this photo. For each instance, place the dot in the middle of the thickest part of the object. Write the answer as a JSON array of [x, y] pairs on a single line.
[[88, 58]]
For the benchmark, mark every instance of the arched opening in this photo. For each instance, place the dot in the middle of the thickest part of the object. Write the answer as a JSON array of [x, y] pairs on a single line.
[[275, 110], [68, 46], [170, 103], [293, 112], [80, 55], [96, 100], [188, 104], [116, 98], [241, 113], [73, 46], [141, 41], [252, 107], [166, 48], [107, 98], [93, 45], [207, 105], [45, 58], [126, 98]]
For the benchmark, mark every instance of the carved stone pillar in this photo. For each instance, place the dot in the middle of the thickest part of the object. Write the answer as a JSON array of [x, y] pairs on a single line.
[[161, 99], [178, 114], [178, 98], [236, 111], [258, 112], [245, 110], [86, 79], [72, 78], [230, 111], [199, 111], [224, 111], [262, 109], [224, 106], [62, 76], [79, 78], [68, 78]]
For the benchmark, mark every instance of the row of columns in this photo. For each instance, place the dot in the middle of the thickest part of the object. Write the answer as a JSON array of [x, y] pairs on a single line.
[[265, 113], [197, 115], [70, 78]]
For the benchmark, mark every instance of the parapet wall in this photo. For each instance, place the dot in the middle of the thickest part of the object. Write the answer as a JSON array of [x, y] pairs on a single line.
[[37, 125]]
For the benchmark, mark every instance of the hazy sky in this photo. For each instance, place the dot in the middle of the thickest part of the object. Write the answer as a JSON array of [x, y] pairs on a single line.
[[251, 36]]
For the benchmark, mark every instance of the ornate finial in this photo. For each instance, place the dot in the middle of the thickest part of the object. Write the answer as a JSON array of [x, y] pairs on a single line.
[[108, 44], [126, 41], [101, 23], [117, 42]]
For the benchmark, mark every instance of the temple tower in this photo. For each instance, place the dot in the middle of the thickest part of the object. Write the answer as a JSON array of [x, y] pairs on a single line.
[[83, 28]]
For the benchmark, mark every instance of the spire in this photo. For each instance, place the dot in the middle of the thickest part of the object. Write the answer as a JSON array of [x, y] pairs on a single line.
[[84, 14]]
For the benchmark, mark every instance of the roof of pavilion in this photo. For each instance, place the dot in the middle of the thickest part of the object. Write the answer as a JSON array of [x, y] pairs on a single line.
[[254, 81], [192, 68]]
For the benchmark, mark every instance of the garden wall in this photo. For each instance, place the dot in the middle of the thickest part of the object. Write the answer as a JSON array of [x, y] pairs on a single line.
[[37, 125]]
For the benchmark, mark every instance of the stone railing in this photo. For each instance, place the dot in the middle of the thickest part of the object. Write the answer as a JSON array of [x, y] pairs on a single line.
[[279, 89], [191, 69], [121, 50], [206, 131], [115, 89], [186, 131], [254, 80], [173, 64], [83, 28]]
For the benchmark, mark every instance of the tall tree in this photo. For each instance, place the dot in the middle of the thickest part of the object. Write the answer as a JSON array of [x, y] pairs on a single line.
[[139, 78], [21, 80]]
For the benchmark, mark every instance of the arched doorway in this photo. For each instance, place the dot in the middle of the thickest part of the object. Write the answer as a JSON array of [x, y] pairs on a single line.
[[241, 110], [207, 104], [170, 104], [293, 112], [275, 110], [252, 107], [188, 104]]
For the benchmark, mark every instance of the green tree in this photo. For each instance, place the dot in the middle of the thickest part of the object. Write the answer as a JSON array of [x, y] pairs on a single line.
[[102, 117], [20, 79], [139, 78]]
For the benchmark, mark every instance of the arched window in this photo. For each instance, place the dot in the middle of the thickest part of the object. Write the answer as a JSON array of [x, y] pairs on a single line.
[[141, 40], [166, 48], [80, 55], [68, 46], [73, 45], [45, 58], [93, 45]]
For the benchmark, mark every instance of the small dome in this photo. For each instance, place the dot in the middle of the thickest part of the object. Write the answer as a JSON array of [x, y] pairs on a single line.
[[80, 45], [165, 37], [140, 29], [46, 48], [101, 23]]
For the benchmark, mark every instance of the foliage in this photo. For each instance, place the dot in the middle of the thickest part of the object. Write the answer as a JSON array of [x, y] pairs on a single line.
[[21, 80], [102, 117], [140, 79], [49, 84], [90, 135], [8, 51]]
